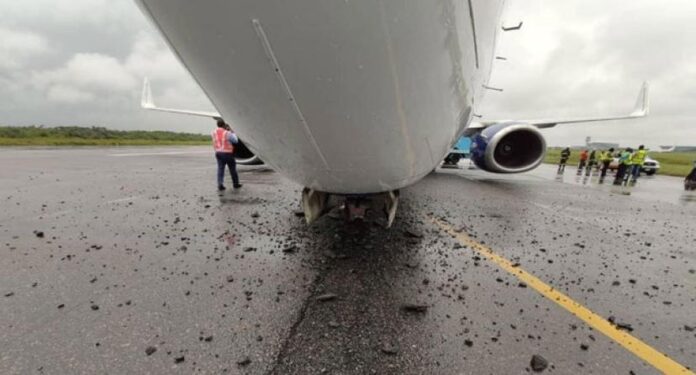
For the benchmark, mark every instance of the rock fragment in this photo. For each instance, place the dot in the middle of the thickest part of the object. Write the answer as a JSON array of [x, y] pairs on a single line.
[[290, 249], [415, 308], [327, 297], [412, 233], [538, 363], [246, 361], [389, 349], [179, 359], [150, 350]]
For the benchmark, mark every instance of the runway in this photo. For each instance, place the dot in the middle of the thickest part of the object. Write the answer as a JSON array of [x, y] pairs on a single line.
[[126, 260]]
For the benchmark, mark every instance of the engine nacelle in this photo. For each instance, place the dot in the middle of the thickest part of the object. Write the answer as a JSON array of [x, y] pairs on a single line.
[[508, 147], [244, 156]]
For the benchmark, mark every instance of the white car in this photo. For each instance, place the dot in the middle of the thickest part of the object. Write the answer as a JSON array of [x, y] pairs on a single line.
[[650, 166]]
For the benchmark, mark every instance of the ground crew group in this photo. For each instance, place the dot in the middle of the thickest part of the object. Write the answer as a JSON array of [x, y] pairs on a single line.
[[630, 163]]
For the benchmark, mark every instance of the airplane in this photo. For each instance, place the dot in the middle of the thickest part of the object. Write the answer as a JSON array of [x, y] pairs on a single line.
[[352, 99]]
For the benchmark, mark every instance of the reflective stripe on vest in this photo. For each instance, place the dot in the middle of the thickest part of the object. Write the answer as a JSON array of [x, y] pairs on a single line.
[[220, 142]]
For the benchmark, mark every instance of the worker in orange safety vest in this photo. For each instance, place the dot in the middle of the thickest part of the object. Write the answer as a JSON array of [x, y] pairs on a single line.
[[223, 141]]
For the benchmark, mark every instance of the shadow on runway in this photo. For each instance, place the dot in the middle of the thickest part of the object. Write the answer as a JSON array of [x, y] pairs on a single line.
[[688, 197]]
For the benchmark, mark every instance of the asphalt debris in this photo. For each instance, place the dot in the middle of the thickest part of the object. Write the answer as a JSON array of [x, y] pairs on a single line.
[[290, 249], [389, 349], [246, 361], [538, 363], [415, 308], [326, 297], [412, 233], [150, 350]]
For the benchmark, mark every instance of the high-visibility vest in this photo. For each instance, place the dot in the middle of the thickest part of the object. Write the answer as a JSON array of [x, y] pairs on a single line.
[[606, 156], [638, 157], [625, 158], [220, 142]]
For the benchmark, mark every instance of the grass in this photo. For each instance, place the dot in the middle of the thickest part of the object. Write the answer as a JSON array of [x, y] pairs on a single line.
[[95, 142], [671, 163], [94, 136]]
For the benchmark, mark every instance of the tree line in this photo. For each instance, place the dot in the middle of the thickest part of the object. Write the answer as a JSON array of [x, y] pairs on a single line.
[[97, 132]]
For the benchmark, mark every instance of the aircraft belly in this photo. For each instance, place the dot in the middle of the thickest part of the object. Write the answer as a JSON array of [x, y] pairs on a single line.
[[343, 97]]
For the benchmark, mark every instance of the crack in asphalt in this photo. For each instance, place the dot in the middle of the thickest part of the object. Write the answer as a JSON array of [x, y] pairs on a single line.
[[285, 347]]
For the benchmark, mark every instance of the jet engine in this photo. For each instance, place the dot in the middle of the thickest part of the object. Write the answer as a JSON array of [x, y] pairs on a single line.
[[508, 148], [244, 156]]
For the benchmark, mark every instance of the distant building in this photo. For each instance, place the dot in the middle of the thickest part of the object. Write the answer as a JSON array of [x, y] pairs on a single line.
[[599, 145]]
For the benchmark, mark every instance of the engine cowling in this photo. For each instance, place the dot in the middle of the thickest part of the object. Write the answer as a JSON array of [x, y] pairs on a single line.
[[508, 148], [244, 156]]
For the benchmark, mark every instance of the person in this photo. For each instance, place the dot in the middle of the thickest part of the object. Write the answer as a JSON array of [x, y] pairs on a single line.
[[583, 161], [624, 164], [605, 158], [637, 161], [690, 180], [565, 155], [223, 141], [591, 161]]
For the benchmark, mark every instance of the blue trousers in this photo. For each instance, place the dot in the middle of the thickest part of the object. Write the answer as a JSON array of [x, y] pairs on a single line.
[[226, 159]]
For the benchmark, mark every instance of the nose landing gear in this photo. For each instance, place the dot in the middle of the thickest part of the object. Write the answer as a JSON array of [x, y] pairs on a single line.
[[355, 207]]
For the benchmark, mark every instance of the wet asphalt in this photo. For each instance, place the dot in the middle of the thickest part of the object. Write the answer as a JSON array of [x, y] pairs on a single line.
[[126, 260]]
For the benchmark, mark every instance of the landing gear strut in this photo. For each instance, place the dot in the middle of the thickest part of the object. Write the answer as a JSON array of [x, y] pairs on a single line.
[[315, 204], [356, 207]]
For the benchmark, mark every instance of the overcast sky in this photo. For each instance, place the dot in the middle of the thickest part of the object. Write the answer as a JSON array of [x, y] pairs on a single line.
[[81, 62]]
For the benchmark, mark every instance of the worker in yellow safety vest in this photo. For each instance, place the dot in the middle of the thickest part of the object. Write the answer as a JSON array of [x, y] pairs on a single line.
[[606, 157], [637, 161]]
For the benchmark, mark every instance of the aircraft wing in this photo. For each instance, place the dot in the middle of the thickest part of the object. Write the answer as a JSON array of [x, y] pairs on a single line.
[[147, 103], [641, 109]]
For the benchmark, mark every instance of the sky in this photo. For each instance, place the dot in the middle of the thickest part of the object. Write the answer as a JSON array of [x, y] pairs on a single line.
[[81, 62]]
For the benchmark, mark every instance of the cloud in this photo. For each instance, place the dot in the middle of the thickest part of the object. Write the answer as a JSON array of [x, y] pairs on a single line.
[[68, 94], [82, 62], [89, 74], [17, 46], [579, 57]]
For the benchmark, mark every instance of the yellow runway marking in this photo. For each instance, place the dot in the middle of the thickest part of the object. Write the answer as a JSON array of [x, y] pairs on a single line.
[[642, 350]]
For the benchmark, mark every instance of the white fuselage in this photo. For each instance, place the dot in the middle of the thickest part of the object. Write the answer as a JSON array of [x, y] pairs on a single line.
[[341, 96]]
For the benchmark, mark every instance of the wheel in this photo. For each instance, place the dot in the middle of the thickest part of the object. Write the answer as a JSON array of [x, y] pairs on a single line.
[[650, 172]]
